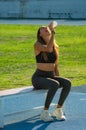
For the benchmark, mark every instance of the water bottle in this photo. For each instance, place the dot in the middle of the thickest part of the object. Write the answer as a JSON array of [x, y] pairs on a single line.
[[54, 24]]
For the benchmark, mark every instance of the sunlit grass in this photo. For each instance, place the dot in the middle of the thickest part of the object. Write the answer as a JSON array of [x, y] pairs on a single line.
[[17, 61]]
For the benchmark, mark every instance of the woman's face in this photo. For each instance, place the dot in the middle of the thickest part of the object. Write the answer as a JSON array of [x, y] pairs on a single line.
[[45, 31]]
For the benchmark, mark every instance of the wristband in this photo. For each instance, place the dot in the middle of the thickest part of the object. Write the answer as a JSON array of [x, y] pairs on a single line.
[[53, 32]]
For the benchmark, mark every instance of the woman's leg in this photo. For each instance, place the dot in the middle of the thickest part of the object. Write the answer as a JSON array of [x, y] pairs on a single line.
[[47, 83], [66, 86]]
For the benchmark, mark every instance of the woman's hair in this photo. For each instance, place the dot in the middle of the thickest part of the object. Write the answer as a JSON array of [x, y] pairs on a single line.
[[39, 38], [42, 41]]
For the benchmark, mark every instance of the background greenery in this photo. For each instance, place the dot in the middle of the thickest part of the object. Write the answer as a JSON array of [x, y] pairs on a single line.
[[17, 61]]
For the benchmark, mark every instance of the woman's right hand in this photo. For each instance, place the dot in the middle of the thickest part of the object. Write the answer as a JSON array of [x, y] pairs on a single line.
[[52, 25]]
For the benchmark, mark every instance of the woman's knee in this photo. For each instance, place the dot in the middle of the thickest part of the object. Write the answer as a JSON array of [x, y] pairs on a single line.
[[55, 85], [68, 84]]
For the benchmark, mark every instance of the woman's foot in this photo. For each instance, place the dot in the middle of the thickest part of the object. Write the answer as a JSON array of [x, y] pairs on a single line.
[[59, 114], [45, 116]]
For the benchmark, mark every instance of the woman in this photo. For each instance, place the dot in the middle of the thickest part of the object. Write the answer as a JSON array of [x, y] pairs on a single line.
[[47, 73]]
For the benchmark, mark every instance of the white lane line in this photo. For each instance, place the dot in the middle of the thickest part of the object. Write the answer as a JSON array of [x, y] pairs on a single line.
[[82, 99], [52, 104]]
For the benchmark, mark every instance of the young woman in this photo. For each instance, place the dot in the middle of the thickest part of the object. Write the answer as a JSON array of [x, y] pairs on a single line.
[[47, 74]]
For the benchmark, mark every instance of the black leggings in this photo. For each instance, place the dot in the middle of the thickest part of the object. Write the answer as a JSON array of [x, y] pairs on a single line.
[[47, 80]]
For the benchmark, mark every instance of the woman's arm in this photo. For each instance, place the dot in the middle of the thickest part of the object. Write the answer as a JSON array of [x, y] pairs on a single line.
[[56, 70], [45, 48]]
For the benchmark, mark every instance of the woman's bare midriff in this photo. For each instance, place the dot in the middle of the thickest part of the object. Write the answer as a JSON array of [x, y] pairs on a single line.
[[46, 66]]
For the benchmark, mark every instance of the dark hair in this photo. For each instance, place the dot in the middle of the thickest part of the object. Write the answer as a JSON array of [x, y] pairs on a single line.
[[39, 38], [42, 41]]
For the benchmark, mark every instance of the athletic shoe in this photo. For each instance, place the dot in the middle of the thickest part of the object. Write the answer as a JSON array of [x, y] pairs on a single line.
[[45, 116], [59, 114]]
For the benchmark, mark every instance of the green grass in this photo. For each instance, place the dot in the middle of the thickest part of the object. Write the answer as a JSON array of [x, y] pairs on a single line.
[[17, 61]]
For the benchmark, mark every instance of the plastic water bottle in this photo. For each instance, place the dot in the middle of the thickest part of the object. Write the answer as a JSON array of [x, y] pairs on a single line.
[[54, 24]]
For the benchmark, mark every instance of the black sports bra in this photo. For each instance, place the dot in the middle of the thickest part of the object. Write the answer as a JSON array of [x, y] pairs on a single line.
[[51, 57]]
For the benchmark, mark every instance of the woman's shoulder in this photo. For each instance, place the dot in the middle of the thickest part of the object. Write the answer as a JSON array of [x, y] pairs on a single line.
[[36, 43], [36, 46]]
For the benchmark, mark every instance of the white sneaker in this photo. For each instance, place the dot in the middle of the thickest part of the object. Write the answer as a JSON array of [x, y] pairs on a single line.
[[58, 113], [45, 116]]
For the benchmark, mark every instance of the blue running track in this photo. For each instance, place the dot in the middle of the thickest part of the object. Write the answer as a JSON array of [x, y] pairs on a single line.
[[75, 109]]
